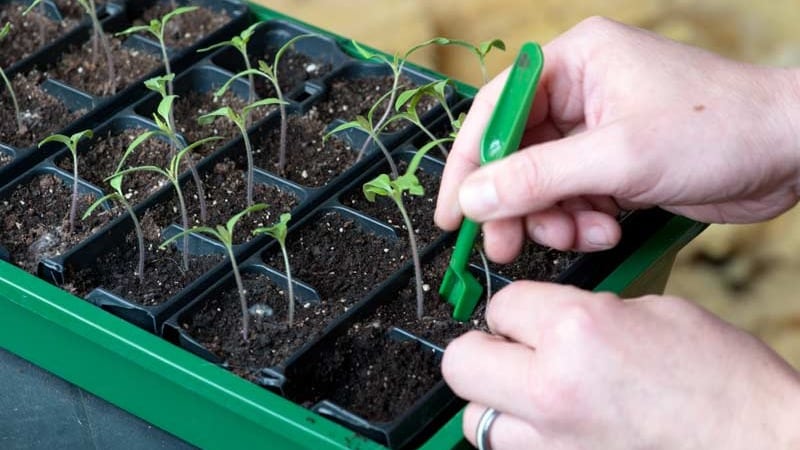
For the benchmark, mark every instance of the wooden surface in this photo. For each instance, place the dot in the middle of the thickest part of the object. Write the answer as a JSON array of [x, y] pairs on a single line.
[[747, 274]]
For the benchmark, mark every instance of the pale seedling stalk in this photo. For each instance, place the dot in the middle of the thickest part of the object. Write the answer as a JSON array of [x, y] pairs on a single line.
[[279, 232], [367, 125], [71, 142], [270, 72], [385, 186], [171, 173], [225, 235], [21, 128], [240, 43], [485, 263], [99, 39], [240, 119], [166, 125], [157, 28], [115, 181]]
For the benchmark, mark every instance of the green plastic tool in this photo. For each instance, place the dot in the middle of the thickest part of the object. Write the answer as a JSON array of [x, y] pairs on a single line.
[[501, 138]]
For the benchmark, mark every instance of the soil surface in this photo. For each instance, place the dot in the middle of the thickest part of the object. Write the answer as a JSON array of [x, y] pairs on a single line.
[[369, 374], [420, 208], [82, 68], [115, 270], [350, 97], [41, 113], [309, 161], [185, 29], [536, 263], [28, 33], [35, 220], [226, 195], [338, 259], [101, 160], [217, 325]]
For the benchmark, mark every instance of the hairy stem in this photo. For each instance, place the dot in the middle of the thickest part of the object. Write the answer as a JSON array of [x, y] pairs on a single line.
[[184, 222], [412, 242], [289, 281], [73, 209], [485, 264], [433, 138], [101, 39], [248, 147], [284, 126], [137, 227], [165, 57], [242, 297], [389, 159], [384, 117], [10, 87]]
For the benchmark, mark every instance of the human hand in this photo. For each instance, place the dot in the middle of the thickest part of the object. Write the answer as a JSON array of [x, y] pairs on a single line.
[[570, 369], [626, 119]]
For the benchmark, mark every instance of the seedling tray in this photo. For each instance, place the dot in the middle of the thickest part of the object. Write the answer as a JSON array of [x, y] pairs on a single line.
[[146, 359]]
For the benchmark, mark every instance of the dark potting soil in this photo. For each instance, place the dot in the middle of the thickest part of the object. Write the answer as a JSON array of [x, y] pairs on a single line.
[[115, 270], [185, 29], [293, 70], [309, 161], [369, 374], [191, 105], [535, 262], [350, 97], [81, 68], [338, 259], [35, 219], [73, 10], [41, 113], [28, 33], [226, 195], [101, 160], [217, 325], [420, 208]]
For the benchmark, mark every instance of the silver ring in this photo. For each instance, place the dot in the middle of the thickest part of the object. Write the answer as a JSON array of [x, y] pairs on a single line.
[[484, 424]]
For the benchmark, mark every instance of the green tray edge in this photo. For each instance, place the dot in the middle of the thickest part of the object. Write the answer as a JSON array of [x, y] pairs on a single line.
[[138, 371]]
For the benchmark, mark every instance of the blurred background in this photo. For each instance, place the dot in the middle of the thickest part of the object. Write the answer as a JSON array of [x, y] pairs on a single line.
[[748, 275]]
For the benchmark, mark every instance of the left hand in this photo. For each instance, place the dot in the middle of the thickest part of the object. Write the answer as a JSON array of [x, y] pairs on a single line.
[[570, 369]]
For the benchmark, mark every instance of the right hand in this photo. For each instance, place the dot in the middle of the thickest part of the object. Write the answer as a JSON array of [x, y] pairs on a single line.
[[626, 119]]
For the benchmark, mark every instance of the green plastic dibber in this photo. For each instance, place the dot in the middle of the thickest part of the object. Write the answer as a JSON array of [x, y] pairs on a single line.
[[502, 137]]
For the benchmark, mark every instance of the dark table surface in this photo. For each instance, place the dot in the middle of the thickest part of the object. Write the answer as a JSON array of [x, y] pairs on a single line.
[[41, 411]]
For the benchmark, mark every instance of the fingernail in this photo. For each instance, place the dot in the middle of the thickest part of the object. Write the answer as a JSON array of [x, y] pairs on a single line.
[[478, 198], [597, 237]]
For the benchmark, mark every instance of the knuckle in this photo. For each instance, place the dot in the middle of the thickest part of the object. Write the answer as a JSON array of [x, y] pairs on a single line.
[[596, 23], [575, 322]]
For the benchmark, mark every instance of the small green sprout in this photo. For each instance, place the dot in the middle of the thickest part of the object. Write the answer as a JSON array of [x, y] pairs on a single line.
[[165, 121], [240, 43], [411, 98], [157, 28], [171, 173], [71, 142], [367, 124], [225, 235], [270, 72], [99, 39], [118, 195], [240, 119], [279, 232], [480, 50], [384, 186], [21, 128]]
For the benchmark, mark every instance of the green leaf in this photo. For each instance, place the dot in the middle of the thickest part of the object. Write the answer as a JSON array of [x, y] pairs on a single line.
[[413, 165], [342, 127], [241, 74], [205, 230], [116, 182], [285, 47], [364, 53], [155, 169], [135, 29], [165, 106], [409, 182], [233, 220], [485, 47], [59, 138], [97, 204], [404, 97], [263, 102], [7, 28], [380, 185], [159, 84], [176, 12], [33, 4], [134, 145], [278, 230], [175, 163], [225, 111]]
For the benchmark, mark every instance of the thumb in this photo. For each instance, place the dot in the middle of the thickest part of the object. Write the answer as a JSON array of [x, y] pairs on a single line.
[[601, 161]]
